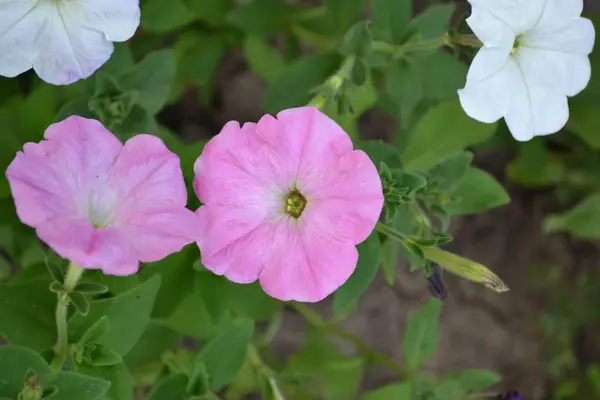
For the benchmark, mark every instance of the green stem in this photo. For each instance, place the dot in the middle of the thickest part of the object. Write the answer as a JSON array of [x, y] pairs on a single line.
[[333, 84], [61, 349], [318, 322], [463, 267], [264, 370], [398, 51]]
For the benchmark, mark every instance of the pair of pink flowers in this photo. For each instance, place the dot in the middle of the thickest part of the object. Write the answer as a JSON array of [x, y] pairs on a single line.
[[285, 201]]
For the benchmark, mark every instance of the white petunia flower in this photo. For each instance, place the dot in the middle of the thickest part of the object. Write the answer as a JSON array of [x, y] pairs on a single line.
[[63, 40], [534, 55]]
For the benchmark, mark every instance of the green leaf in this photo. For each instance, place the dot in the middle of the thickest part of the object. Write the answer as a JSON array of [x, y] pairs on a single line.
[[171, 387], [582, 221], [395, 391], [55, 269], [80, 302], [264, 60], [357, 41], [73, 386], [37, 113], [422, 334], [292, 88], [535, 165], [95, 331], [368, 263], [156, 339], [234, 342], [390, 251], [212, 11], [260, 18], [404, 87], [120, 61], [593, 374], [442, 132], [445, 74], [344, 13], [28, 320], [177, 280], [101, 356], [152, 79], [584, 122], [122, 383], [380, 151], [432, 23], [92, 288], [390, 19], [460, 384], [128, 315], [448, 175], [161, 16], [478, 192], [15, 362], [249, 300]]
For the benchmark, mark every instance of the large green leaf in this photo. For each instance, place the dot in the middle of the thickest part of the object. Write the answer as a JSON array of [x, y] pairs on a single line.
[[368, 263], [265, 61], [582, 221], [128, 315], [27, 314], [171, 387], [118, 375], [232, 342], [164, 16], [390, 19], [478, 192], [73, 386], [152, 79], [443, 131], [14, 364], [459, 384], [156, 339], [395, 391], [422, 334]]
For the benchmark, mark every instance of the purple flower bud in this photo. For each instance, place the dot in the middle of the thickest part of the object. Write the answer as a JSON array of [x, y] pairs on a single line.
[[436, 285], [512, 395]]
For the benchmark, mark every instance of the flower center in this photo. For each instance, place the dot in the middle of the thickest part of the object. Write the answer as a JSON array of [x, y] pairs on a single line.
[[295, 203], [516, 45]]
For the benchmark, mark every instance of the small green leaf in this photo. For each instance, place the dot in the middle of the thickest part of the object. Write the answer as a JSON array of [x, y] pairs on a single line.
[[91, 288], [57, 287], [101, 356], [368, 263], [212, 11], [395, 391], [118, 375], [344, 12], [390, 19], [234, 342], [460, 384], [292, 87], [584, 122], [449, 174], [54, 265], [422, 334], [442, 132], [261, 18], [170, 387], [432, 23], [80, 302], [265, 61], [128, 314], [593, 374], [478, 192], [199, 382], [95, 331], [358, 41], [161, 17], [582, 221], [152, 79], [156, 339], [404, 87]]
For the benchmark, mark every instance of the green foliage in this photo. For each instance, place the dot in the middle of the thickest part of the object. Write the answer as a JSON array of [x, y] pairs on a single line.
[[396, 391], [422, 332]]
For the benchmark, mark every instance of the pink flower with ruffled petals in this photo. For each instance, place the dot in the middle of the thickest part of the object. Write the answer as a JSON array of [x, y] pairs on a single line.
[[286, 201], [100, 203]]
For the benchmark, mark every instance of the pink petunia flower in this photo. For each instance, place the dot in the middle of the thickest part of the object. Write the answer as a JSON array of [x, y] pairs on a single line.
[[286, 201], [99, 203]]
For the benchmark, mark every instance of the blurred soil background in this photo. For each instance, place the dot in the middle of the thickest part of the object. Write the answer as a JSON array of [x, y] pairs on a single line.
[[480, 329]]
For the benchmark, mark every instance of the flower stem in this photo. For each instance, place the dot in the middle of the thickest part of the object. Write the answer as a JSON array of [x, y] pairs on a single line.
[[463, 267], [264, 370], [318, 322], [61, 349], [397, 51]]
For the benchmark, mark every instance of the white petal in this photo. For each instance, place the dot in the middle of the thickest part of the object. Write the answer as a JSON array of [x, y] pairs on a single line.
[[19, 26], [576, 37], [535, 109], [67, 50], [567, 73], [490, 29], [117, 19], [559, 13], [486, 95], [520, 15]]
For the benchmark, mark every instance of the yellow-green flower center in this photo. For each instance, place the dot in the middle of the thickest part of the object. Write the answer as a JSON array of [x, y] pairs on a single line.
[[295, 203]]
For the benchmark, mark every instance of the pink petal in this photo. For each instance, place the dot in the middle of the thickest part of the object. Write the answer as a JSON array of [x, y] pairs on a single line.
[[77, 240], [306, 264], [235, 245], [146, 178], [53, 179]]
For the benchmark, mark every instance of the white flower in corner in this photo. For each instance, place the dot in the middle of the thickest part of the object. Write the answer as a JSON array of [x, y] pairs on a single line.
[[62, 40], [534, 55]]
